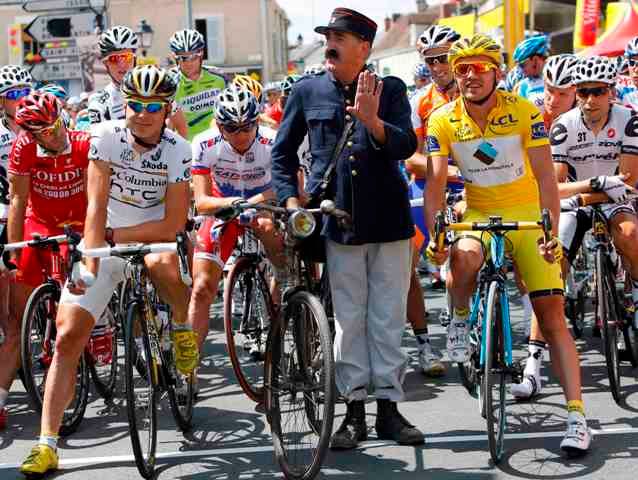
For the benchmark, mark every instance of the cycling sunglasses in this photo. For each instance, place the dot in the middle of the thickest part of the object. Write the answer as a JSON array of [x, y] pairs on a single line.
[[463, 69], [17, 93], [50, 131], [120, 58], [245, 128], [434, 60], [150, 107], [189, 58], [595, 91]]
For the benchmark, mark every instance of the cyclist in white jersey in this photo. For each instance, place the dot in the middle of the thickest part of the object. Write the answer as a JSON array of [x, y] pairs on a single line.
[[627, 86], [230, 163], [138, 191], [595, 148], [15, 83], [117, 51], [530, 55]]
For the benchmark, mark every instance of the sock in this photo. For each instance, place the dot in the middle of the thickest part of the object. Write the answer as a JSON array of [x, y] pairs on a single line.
[[49, 439], [421, 335], [536, 349], [461, 314], [527, 307], [4, 394], [576, 406]]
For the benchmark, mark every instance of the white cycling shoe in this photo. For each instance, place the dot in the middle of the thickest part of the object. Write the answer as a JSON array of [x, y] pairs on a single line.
[[457, 342], [578, 437], [527, 389], [429, 362]]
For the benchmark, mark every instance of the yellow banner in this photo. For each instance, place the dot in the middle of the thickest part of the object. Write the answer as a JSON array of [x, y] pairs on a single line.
[[462, 24], [147, 60], [495, 18]]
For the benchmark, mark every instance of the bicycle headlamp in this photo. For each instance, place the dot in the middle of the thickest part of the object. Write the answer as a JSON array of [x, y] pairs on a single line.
[[302, 224]]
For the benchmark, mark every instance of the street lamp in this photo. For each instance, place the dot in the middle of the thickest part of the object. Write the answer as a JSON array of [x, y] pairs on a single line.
[[145, 33]]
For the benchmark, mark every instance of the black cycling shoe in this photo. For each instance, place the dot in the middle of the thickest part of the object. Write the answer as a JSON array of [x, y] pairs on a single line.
[[391, 425], [353, 429]]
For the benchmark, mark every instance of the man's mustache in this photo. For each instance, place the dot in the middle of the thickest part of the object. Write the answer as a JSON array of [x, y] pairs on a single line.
[[331, 53]]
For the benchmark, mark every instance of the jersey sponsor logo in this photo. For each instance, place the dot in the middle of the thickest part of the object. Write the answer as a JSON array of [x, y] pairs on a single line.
[[535, 115], [611, 133], [200, 101], [249, 157], [631, 130], [433, 144], [503, 125], [58, 177], [558, 134], [538, 131], [126, 157], [152, 165]]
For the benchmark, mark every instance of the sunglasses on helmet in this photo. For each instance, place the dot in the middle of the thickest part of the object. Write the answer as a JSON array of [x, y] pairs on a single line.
[[150, 107], [463, 69], [234, 128], [17, 93], [49, 131], [123, 58], [595, 91]]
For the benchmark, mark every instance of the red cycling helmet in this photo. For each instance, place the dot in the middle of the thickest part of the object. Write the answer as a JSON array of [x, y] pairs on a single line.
[[37, 110]]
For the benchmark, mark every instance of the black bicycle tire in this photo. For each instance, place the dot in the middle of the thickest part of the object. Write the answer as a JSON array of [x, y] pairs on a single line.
[[494, 344], [608, 316], [71, 421], [242, 265], [145, 467], [106, 388], [315, 308]]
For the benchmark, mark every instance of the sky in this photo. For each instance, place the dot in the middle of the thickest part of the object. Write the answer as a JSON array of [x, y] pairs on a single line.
[[307, 14]]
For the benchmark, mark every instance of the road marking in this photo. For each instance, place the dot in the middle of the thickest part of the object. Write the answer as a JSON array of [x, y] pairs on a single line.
[[433, 440]]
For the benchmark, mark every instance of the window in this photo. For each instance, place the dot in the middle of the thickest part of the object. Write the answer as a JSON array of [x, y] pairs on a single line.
[[212, 28]]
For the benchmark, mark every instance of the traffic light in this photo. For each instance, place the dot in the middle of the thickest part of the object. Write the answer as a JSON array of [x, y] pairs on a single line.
[[14, 32]]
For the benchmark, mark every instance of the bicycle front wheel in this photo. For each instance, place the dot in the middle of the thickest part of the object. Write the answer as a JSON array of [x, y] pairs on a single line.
[[140, 371], [494, 387], [104, 369], [301, 392], [37, 347], [607, 313], [247, 316]]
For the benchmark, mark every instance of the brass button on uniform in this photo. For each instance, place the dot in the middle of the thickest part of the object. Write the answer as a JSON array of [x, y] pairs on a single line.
[[351, 158], [348, 102], [354, 173], [347, 88], [349, 144], [348, 118]]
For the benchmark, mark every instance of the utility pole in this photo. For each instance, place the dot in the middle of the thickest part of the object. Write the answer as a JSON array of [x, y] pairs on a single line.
[[189, 13], [265, 49]]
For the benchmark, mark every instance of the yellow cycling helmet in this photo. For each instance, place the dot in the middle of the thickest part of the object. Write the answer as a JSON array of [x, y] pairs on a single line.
[[250, 84], [478, 44]]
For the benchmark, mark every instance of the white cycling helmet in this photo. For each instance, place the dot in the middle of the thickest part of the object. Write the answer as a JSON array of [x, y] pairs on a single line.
[[117, 38], [436, 36], [631, 50], [12, 76], [148, 81], [595, 69], [236, 106], [559, 70], [186, 40], [314, 69]]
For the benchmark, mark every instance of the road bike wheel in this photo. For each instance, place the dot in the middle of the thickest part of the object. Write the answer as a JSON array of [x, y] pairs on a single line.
[[248, 312], [301, 391], [607, 313], [37, 347], [104, 375], [141, 390], [468, 371], [575, 311], [494, 375]]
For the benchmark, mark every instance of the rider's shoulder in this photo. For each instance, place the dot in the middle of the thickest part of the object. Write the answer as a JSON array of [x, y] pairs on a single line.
[[266, 135], [99, 97], [208, 138], [215, 71], [109, 128]]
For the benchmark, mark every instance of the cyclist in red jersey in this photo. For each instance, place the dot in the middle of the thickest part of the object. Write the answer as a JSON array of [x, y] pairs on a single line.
[[47, 167]]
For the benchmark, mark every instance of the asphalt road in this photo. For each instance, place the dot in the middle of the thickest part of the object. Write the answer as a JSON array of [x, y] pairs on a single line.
[[231, 440]]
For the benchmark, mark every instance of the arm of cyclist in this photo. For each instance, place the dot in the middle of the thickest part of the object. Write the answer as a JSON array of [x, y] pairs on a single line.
[[540, 159], [434, 201], [615, 186], [177, 122], [98, 187], [19, 196]]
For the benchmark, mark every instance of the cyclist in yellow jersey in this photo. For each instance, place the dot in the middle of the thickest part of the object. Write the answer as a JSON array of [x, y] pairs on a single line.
[[499, 143]]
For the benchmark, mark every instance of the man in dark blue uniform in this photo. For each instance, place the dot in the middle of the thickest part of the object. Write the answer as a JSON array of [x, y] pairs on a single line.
[[369, 263]]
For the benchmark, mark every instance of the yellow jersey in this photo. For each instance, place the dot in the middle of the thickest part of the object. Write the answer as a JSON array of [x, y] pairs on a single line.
[[494, 163]]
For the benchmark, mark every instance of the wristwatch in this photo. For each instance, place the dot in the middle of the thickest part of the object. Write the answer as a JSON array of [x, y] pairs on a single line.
[[108, 236], [594, 183]]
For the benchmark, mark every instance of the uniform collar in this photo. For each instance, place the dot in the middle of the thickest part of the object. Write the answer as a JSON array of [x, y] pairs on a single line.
[[349, 90]]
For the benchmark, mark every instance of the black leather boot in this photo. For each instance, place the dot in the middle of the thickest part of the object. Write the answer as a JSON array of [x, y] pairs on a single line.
[[353, 429], [391, 425]]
